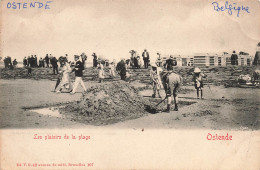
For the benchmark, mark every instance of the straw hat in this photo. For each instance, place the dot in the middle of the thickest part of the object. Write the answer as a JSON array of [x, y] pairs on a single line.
[[197, 70]]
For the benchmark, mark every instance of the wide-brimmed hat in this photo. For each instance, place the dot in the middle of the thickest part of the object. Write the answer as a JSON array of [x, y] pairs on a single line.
[[76, 56], [197, 70]]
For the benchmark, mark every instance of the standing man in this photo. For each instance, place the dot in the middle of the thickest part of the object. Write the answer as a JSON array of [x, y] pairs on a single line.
[[54, 63], [78, 74], [84, 58], [256, 61], [159, 60], [35, 61], [146, 58], [171, 83], [32, 61], [94, 60], [24, 62], [234, 58], [47, 60], [14, 63], [28, 61], [121, 68], [169, 63]]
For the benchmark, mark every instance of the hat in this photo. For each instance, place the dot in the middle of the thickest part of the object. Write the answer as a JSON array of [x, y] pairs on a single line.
[[76, 56], [171, 56], [197, 70]]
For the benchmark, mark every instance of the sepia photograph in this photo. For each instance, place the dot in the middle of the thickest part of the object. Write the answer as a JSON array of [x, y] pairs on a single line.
[[120, 84]]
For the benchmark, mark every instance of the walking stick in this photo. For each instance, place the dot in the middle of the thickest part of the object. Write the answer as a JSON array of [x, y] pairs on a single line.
[[209, 88]]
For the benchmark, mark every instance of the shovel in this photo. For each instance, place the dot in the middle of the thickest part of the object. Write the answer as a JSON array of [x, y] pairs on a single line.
[[154, 108], [209, 88]]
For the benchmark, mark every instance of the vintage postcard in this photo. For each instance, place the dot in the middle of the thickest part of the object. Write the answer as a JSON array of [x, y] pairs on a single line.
[[129, 84]]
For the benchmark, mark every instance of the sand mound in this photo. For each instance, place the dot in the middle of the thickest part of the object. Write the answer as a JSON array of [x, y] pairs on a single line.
[[109, 101]]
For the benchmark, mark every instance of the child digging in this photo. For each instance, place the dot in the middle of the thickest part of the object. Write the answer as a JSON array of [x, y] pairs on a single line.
[[198, 82]]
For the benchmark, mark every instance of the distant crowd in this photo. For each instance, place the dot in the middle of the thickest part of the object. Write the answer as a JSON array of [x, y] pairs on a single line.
[[9, 63], [50, 61]]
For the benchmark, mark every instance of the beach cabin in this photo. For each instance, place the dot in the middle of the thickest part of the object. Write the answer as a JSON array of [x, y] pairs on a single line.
[[244, 59], [187, 61], [202, 59]]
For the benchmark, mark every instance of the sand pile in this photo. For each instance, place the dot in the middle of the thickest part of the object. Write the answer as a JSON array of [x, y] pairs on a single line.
[[113, 101]]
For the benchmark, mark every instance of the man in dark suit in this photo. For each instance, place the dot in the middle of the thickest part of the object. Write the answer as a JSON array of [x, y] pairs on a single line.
[[94, 60], [121, 68], [146, 58], [54, 63], [234, 58], [169, 63], [78, 74], [47, 60]]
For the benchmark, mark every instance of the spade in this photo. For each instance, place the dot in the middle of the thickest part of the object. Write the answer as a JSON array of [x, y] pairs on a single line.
[[154, 108]]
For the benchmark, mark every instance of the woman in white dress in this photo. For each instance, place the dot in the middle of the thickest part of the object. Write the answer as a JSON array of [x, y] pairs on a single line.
[[112, 70], [65, 81], [101, 73]]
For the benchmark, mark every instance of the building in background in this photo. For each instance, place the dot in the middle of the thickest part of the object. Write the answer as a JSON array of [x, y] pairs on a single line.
[[209, 59]]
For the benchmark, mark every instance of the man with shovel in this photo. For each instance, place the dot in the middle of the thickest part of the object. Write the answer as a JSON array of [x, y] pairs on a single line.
[[171, 83]]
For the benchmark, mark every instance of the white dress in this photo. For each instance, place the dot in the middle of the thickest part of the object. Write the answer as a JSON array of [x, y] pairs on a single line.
[[112, 70], [65, 81], [101, 73], [159, 70]]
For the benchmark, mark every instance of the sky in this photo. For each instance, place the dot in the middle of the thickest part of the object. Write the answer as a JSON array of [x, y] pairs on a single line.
[[111, 28]]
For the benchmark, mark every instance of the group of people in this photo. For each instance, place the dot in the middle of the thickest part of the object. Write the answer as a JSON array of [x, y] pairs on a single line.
[[135, 60], [170, 81], [101, 72], [64, 81], [9, 64], [30, 61]]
